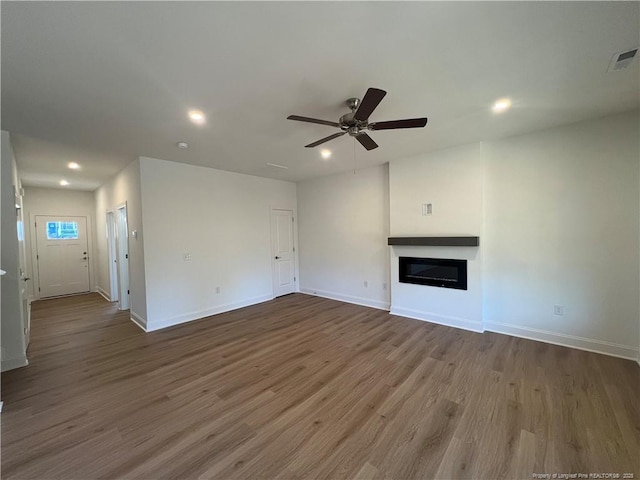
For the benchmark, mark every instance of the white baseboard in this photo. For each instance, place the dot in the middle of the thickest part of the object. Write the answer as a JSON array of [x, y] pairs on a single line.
[[103, 292], [188, 317], [138, 320], [366, 302], [565, 340], [449, 321], [12, 363]]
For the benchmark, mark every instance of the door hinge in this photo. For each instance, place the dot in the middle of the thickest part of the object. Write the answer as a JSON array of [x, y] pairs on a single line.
[[126, 255], [292, 219], [294, 279], [294, 249], [128, 293], [38, 288], [37, 257]]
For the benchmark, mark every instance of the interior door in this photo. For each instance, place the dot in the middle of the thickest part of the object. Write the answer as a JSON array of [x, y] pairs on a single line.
[[282, 249], [62, 255], [22, 263], [113, 257], [122, 252]]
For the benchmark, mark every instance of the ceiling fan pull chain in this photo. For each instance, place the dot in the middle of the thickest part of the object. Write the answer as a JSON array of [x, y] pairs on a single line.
[[354, 155]]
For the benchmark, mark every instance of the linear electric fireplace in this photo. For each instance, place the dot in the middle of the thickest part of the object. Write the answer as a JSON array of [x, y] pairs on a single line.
[[437, 272]]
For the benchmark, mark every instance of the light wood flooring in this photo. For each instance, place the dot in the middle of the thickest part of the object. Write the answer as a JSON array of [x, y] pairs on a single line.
[[305, 387]]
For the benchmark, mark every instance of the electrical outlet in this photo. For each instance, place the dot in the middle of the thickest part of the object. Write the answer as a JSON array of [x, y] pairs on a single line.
[[186, 257], [366, 284], [558, 309]]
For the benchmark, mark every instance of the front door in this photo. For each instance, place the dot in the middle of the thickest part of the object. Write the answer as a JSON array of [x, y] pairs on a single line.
[[282, 250], [62, 255]]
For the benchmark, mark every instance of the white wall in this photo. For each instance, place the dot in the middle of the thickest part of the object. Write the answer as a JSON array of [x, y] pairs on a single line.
[[223, 220], [56, 202], [343, 229], [558, 216], [12, 328], [123, 188], [451, 180], [561, 227]]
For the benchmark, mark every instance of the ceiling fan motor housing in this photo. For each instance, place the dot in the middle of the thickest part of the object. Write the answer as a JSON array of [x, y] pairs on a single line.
[[351, 125], [347, 121]]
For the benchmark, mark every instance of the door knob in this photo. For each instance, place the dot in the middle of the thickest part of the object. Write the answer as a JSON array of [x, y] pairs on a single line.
[[26, 279], [84, 258], [277, 257]]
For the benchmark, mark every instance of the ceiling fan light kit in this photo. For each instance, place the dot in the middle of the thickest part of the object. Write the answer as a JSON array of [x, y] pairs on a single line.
[[357, 121]]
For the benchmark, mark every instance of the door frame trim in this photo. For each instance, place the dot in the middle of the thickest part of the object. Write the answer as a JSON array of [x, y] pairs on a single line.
[[35, 273]]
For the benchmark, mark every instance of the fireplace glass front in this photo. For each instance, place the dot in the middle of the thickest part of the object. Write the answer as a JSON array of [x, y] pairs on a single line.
[[436, 272]]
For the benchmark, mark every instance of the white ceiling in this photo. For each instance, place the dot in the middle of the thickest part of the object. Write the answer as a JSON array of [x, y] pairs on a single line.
[[102, 83]]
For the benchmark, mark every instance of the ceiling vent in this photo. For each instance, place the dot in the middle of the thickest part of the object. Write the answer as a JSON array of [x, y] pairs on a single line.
[[622, 60]]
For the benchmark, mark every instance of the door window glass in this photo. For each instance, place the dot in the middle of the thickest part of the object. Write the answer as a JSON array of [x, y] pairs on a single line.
[[62, 230]]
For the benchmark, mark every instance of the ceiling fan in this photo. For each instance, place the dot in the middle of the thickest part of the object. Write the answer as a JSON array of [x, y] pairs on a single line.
[[357, 121]]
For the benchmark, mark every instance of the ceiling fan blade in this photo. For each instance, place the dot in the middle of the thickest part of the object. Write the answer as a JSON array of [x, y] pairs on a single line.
[[408, 123], [312, 120], [325, 139], [366, 141], [369, 103]]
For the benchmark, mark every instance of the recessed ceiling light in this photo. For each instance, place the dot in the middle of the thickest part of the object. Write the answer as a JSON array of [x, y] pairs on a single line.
[[73, 165], [183, 145], [64, 183], [325, 153], [197, 116], [501, 105]]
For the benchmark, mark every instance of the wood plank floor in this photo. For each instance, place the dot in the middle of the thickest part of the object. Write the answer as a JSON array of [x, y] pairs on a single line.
[[304, 387]]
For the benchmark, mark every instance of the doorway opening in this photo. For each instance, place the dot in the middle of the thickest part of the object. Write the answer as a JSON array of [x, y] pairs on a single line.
[[118, 249], [113, 258]]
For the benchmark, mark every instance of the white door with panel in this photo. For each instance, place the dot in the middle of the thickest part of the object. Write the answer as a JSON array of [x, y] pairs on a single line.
[[22, 263], [113, 257], [62, 255], [283, 252], [122, 254]]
